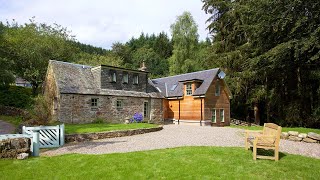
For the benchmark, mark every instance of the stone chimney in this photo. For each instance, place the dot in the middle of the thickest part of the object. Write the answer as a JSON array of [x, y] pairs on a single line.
[[143, 67]]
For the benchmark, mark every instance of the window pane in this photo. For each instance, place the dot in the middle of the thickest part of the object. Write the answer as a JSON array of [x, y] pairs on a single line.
[[125, 78], [217, 88], [135, 79], [222, 115], [119, 104], [189, 89], [214, 116], [94, 102]]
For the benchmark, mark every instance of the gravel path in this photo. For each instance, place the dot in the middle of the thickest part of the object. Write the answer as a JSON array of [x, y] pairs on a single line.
[[6, 128], [177, 136]]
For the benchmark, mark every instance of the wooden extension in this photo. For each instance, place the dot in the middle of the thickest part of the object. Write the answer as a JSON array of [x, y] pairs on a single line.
[[269, 138]]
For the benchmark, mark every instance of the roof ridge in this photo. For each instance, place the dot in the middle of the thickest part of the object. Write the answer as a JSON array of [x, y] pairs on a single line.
[[63, 62], [186, 74]]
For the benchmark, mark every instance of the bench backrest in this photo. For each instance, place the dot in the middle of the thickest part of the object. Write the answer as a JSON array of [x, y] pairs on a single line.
[[273, 130]]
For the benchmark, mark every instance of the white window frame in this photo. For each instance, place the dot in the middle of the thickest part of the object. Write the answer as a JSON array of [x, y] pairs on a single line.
[[221, 115], [119, 104], [114, 77], [136, 79], [125, 78], [189, 90], [217, 88], [214, 114]]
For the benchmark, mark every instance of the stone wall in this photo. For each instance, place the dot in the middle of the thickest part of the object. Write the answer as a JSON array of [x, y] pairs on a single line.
[[110, 134], [75, 108], [11, 148], [304, 137], [106, 81]]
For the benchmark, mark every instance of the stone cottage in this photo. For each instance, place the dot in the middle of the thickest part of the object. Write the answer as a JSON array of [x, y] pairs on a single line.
[[81, 94]]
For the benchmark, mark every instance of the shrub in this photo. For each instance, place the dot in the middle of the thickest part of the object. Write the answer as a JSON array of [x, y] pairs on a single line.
[[137, 117], [16, 96]]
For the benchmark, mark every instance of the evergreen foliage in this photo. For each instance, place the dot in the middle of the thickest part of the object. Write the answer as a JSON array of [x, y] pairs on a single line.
[[270, 49]]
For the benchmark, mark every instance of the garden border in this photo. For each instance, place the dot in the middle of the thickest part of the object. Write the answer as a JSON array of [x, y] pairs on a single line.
[[108, 134]]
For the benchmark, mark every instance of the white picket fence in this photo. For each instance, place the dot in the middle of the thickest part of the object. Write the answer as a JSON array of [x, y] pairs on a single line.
[[49, 136]]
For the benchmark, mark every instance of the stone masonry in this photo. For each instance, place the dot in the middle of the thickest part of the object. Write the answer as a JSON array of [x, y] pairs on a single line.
[[76, 108]]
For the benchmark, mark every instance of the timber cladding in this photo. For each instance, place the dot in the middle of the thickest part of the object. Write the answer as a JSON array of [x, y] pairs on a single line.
[[200, 108], [217, 102]]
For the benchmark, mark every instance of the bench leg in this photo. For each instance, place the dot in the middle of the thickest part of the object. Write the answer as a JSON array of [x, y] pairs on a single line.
[[254, 153], [276, 154]]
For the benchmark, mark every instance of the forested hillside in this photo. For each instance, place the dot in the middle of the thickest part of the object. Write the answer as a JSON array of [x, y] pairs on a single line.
[[269, 49]]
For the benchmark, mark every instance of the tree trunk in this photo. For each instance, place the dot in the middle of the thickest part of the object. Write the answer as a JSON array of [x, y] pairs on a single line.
[[256, 113], [34, 89]]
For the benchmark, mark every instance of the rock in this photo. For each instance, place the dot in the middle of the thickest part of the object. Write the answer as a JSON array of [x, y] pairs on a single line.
[[22, 156], [294, 138], [293, 133], [302, 135], [309, 140], [10, 148], [284, 135], [313, 135]]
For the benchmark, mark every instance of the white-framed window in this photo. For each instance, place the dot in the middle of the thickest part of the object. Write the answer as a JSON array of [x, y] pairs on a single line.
[[125, 78], [114, 77], [146, 110], [221, 115], [188, 89], [119, 104], [94, 102], [214, 116], [135, 79], [217, 93]]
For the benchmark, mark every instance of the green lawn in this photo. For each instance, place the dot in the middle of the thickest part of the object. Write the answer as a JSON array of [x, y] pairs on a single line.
[[176, 163], [16, 120], [101, 127], [284, 129]]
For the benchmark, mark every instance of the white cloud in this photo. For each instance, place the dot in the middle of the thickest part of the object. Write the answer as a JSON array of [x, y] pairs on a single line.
[[102, 23]]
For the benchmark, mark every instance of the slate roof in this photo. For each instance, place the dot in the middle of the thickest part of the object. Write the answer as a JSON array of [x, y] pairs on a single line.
[[166, 84], [79, 79]]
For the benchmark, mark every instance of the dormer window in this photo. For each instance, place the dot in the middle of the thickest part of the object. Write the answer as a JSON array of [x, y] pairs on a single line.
[[217, 93], [113, 77], [135, 79], [189, 89], [125, 78]]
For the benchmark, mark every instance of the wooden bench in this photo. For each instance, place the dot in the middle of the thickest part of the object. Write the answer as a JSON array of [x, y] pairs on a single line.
[[268, 138]]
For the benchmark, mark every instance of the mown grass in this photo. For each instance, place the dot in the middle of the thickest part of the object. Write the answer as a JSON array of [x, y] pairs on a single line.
[[176, 163], [101, 127], [284, 129], [15, 120]]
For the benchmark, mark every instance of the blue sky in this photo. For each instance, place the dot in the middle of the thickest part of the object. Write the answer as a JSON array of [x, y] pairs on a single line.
[[101, 23]]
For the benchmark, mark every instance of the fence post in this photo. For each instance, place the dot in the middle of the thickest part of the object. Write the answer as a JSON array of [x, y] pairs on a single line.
[[23, 129], [35, 142], [61, 134]]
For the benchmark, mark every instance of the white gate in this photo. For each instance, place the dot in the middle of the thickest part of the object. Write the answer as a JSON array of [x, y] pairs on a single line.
[[49, 136]]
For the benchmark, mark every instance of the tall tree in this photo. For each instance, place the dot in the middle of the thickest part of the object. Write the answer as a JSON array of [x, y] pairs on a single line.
[[271, 50], [6, 75], [185, 41], [32, 45]]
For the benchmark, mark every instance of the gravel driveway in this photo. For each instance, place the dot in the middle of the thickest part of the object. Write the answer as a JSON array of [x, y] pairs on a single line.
[[177, 136]]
